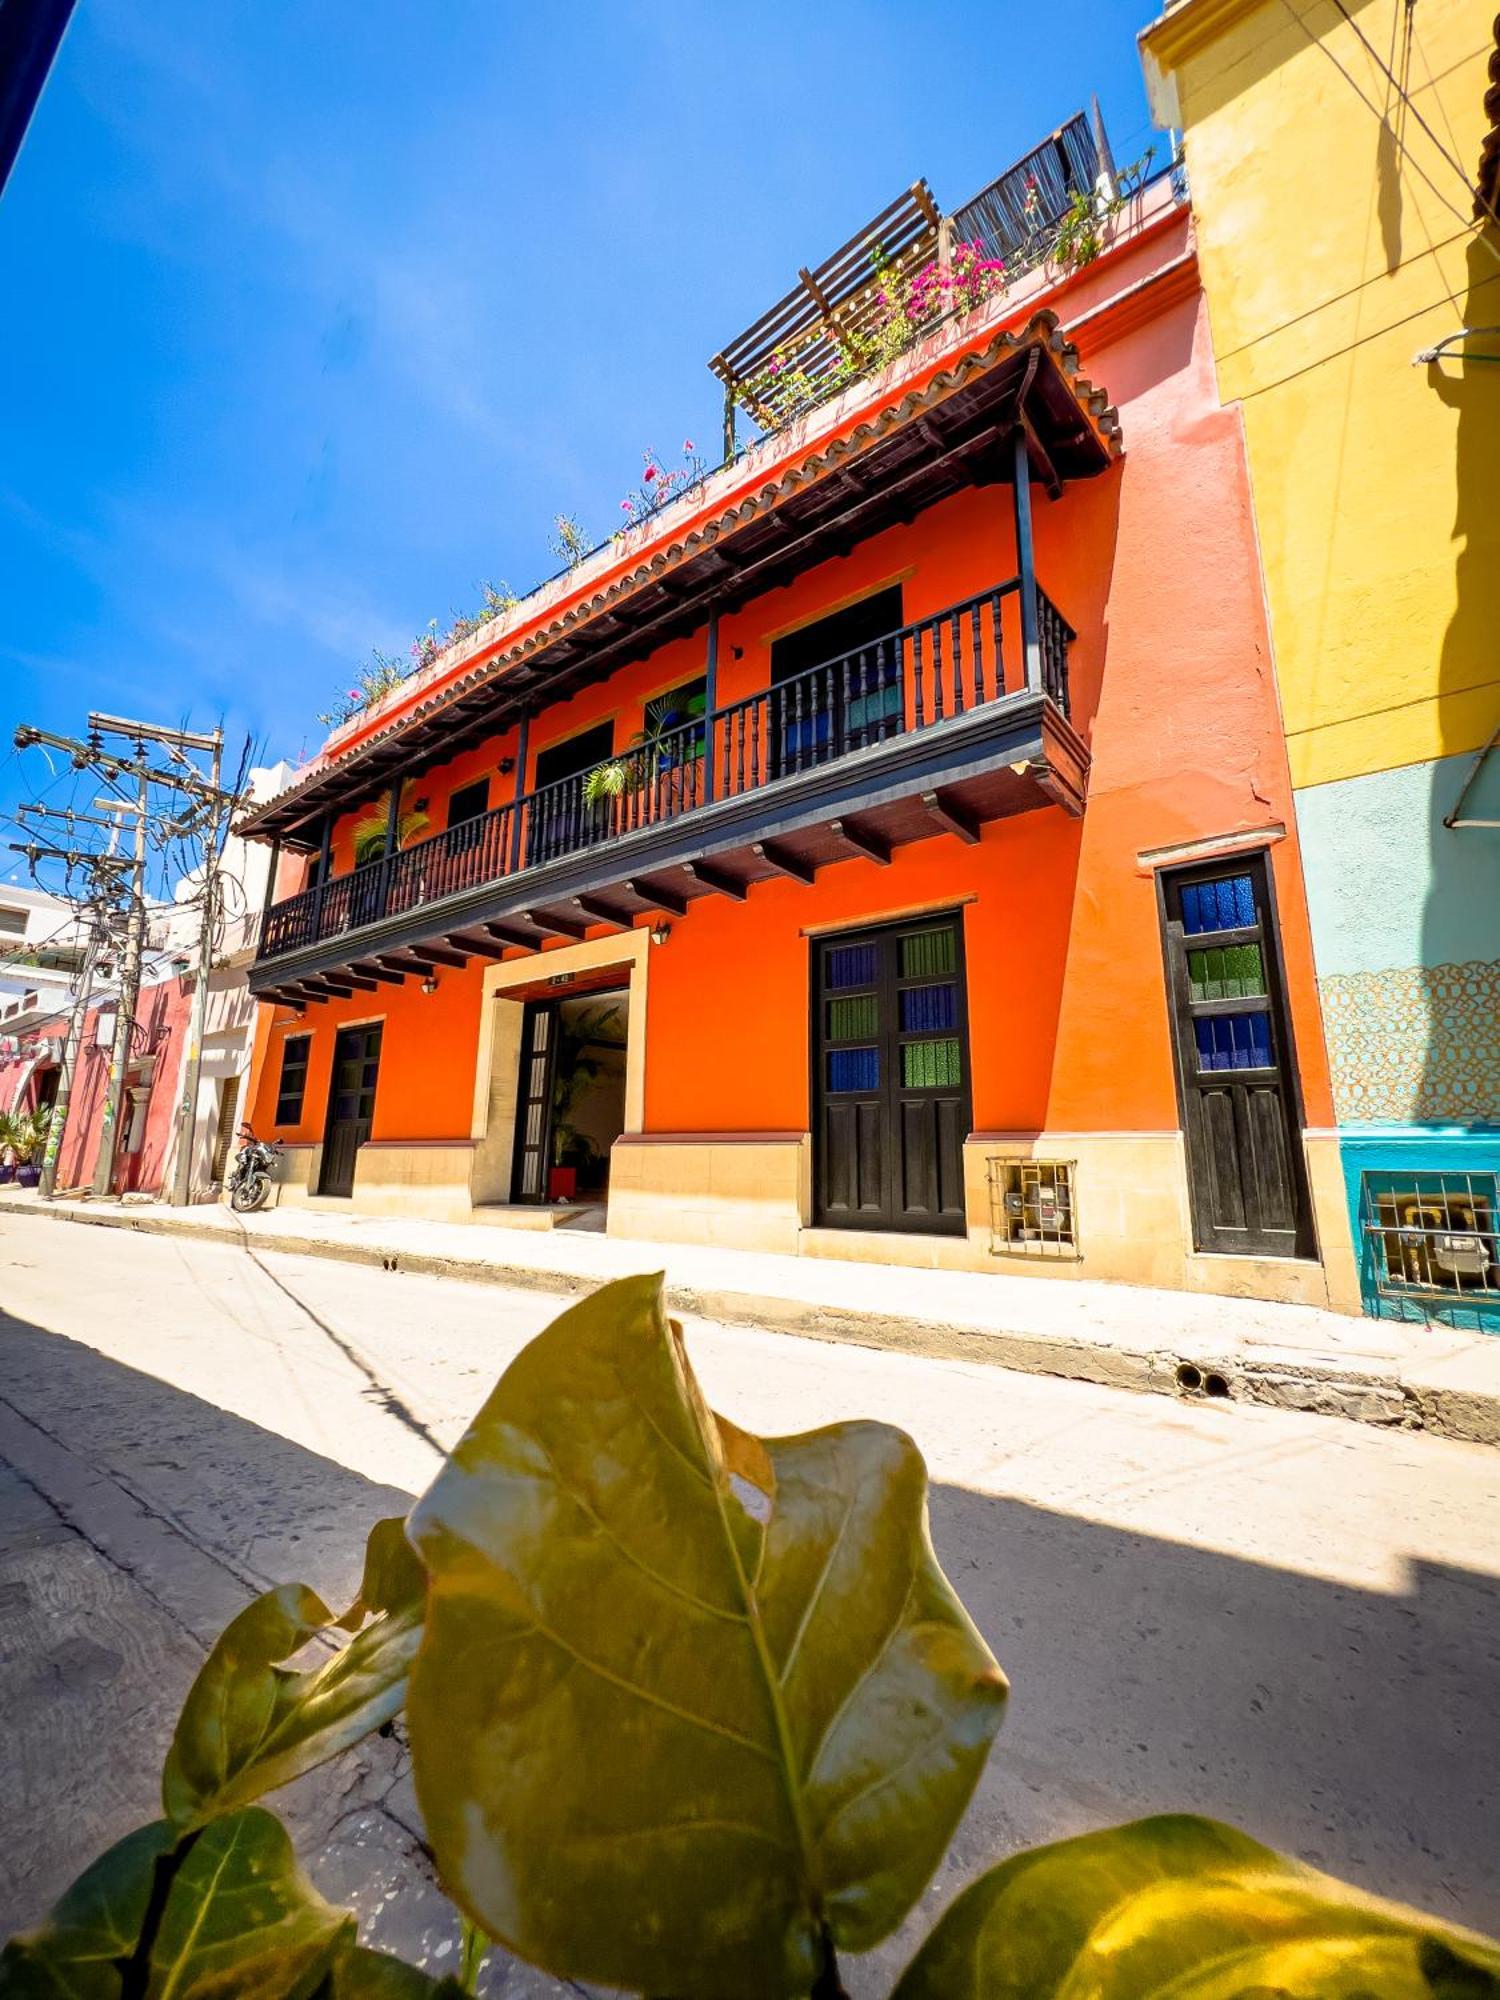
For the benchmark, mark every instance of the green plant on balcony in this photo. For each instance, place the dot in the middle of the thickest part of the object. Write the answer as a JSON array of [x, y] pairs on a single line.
[[372, 830], [690, 1712], [652, 749]]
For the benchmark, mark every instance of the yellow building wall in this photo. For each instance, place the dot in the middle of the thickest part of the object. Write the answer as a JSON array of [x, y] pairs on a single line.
[[1337, 239]]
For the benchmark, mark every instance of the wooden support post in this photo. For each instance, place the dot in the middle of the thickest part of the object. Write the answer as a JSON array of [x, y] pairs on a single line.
[[325, 862], [520, 792], [710, 703], [1031, 644]]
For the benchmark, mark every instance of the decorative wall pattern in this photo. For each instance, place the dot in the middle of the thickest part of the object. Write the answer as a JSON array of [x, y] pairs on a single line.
[[1418, 1045]]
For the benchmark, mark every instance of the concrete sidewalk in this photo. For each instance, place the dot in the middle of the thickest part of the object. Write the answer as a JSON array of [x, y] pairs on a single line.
[[1133, 1337]]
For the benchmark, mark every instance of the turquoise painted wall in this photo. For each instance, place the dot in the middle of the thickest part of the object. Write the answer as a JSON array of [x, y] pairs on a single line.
[[1406, 938]]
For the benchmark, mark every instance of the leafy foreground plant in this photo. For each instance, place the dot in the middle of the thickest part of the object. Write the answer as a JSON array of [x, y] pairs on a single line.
[[690, 1712]]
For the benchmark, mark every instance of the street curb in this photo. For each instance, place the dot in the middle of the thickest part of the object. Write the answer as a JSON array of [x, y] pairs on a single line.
[[1276, 1379]]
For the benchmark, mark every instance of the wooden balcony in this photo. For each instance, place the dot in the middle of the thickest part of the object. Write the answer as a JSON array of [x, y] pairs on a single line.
[[939, 726]]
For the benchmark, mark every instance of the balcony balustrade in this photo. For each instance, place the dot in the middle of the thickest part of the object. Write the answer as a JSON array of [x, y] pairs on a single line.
[[926, 675]]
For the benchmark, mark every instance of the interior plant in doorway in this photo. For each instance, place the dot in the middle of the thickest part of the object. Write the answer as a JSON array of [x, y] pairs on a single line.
[[581, 1041], [690, 1712]]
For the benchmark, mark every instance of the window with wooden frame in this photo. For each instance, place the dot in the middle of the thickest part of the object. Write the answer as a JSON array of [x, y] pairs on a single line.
[[292, 1087]]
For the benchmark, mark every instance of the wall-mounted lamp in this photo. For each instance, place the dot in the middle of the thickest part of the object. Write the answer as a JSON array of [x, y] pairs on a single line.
[[429, 984], [507, 765], [661, 930]]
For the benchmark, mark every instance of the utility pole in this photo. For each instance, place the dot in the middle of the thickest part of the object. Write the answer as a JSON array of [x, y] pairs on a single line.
[[200, 805], [192, 1068], [130, 992], [104, 880]]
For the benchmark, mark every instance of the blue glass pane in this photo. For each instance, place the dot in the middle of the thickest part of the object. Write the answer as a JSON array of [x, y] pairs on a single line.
[[1225, 905], [929, 1010], [1233, 1041], [854, 1069], [851, 965]]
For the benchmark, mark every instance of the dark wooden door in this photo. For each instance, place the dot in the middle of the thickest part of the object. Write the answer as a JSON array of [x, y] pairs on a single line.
[[856, 702], [1235, 1066], [351, 1105], [891, 1078], [560, 820], [534, 1101]]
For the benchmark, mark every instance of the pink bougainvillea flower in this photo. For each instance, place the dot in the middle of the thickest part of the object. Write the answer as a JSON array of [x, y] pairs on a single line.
[[650, 474], [687, 444]]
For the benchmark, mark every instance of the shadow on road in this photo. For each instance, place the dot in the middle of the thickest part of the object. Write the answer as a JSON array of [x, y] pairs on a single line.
[[1358, 1729]]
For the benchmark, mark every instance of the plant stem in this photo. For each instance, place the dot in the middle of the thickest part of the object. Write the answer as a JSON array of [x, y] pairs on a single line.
[[828, 1985], [135, 1972]]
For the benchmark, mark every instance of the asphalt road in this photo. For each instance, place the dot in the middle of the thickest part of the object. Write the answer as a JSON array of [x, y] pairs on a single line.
[[1288, 1621]]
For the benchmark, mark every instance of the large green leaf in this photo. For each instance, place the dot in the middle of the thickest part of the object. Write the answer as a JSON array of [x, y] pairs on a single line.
[[227, 1911], [1191, 1909], [251, 1723], [688, 1706]]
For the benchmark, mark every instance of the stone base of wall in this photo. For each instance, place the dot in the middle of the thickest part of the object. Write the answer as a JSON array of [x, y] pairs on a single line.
[[745, 1191], [754, 1192], [415, 1177]]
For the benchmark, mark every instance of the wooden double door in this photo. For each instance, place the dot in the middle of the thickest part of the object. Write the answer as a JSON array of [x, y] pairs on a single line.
[[351, 1105], [891, 1091]]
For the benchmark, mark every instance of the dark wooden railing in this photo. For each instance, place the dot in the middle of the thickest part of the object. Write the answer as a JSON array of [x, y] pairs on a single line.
[[914, 678]]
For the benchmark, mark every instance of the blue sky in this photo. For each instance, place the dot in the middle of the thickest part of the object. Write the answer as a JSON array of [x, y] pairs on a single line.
[[318, 314]]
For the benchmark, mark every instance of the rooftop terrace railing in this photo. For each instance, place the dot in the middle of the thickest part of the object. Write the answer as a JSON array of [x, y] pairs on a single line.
[[914, 678]]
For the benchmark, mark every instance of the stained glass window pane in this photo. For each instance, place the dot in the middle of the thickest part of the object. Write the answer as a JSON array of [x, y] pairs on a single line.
[[1225, 905], [849, 1020], [1226, 972], [854, 1069], [930, 1065], [851, 965], [1233, 1041], [928, 1010], [928, 954]]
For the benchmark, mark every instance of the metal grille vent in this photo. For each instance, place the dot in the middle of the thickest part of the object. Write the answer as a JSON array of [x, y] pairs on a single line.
[[1033, 1207]]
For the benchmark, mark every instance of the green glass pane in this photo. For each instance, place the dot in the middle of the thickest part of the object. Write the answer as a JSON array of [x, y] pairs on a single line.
[[930, 1065], [851, 1020], [928, 953], [1226, 972], [1245, 970]]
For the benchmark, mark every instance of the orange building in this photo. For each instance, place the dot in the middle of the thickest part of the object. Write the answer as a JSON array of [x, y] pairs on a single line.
[[885, 849]]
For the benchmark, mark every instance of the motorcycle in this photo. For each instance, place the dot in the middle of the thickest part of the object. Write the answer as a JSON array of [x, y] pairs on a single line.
[[249, 1184]]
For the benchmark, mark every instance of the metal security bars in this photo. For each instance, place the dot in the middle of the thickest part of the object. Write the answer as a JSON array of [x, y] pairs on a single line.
[[914, 678], [1432, 1236]]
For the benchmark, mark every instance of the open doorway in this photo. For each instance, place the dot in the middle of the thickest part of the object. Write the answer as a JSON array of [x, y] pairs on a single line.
[[571, 1101]]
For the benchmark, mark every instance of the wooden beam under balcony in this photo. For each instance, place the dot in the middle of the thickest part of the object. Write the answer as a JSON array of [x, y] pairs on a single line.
[[951, 817], [783, 863], [870, 845], [465, 941], [671, 900], [717, 880], [599, 912], [378, 972], [568, 927], [509, 935]]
